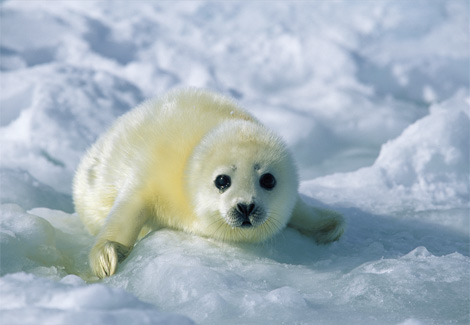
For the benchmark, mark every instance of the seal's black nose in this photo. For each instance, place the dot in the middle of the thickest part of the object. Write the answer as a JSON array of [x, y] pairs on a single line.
[[246, 209]]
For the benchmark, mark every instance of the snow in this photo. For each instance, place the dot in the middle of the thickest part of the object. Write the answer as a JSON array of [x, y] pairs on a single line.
[[425, 168], [29, 300], [372, 97]]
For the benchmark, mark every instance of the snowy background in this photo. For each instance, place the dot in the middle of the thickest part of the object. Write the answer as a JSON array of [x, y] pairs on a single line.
[[372, 97]]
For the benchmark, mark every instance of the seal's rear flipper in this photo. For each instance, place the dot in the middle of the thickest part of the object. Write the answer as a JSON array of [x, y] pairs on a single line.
[[323, 225]]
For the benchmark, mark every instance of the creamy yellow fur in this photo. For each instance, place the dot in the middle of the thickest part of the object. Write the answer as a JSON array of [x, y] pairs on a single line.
[[156, 167]]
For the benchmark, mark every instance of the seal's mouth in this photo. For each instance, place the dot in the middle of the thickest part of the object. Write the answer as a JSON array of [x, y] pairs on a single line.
[[235, 219], [246, 224]]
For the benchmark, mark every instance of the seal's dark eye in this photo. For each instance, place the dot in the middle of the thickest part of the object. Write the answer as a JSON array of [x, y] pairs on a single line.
[[267, 181], [222, 182]]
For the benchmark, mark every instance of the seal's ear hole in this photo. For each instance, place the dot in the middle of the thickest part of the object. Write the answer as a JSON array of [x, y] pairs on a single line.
[[267, 181], [222, 182]]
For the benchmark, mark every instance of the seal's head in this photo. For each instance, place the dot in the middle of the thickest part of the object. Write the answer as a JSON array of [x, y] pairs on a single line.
[[242, 182]]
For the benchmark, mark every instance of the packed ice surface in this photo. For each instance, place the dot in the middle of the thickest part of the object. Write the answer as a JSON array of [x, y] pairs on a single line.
[[372, 98], [32, 300]]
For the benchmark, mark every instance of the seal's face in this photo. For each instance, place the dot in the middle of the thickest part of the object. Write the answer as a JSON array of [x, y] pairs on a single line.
[[244, 192], [246, 187]]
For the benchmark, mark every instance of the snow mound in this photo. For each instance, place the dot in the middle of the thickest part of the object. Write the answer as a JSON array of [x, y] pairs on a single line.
[[425, 168], [28, 192], [57, 249], [49, 124], [52, 247], [27, 299]]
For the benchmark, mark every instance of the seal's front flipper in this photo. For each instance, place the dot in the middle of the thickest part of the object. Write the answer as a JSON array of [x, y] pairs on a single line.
[[118, 235], [105, 256], [325, 226]]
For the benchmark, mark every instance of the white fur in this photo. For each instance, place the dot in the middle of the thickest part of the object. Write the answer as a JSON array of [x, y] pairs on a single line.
[[156, 168]]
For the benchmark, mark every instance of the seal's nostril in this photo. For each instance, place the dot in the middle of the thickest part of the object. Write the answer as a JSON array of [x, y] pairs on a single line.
[[244, 209]]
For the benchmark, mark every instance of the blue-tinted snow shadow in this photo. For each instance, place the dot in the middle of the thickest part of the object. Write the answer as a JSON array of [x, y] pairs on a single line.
[[368, 237], [102, 41], [385, 81], [20, 187]]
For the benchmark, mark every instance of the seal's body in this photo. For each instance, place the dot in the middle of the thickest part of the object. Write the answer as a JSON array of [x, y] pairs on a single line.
[[192, 161]]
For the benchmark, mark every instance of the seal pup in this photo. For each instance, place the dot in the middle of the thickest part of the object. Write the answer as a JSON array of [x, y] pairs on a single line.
[[194, 161]]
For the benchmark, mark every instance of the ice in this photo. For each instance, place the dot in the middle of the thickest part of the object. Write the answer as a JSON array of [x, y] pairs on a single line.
[[287, 279], [372, 98], [28, 299], [386, 276]]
